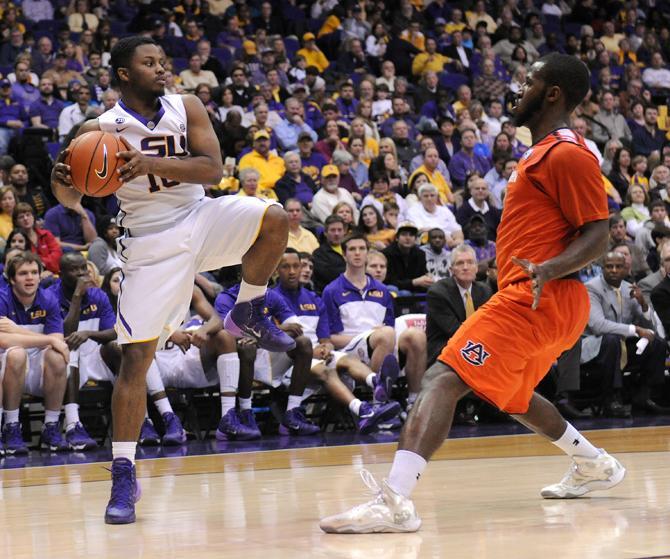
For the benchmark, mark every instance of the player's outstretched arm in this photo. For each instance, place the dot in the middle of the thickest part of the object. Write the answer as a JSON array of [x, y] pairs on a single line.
[[591, 244], [203, 166], [61, 180]]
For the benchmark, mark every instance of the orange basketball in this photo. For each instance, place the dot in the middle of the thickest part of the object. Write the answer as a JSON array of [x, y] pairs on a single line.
[[93, 163]]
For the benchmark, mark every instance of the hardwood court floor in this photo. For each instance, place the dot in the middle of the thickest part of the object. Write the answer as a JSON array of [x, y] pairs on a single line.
[[267, 505]]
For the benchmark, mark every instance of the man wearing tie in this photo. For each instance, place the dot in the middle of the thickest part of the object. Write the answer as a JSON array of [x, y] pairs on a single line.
[[452, 300], [619, 317]]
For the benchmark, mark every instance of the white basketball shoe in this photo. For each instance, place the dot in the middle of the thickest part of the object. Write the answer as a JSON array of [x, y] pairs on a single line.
[[586, 475], [387, 512]]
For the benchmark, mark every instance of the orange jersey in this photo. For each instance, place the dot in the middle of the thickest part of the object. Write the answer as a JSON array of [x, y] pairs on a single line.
[[556, 188]]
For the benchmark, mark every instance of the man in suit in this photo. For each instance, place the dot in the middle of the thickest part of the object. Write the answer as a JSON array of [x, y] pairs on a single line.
[[660, 293], [458, 53], [619, 317], [452, 300]]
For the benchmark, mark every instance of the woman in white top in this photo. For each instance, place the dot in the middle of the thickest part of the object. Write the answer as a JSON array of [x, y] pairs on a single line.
[[428, 215], [226, 104], [637, 211]]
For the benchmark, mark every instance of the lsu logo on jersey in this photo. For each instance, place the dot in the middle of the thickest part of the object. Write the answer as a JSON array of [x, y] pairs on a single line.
[[41, 313], [376, 293], [475, 353], [90, 309], [307, 307]]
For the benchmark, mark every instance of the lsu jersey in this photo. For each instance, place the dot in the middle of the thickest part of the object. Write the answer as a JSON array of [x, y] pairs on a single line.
[[149, 203]]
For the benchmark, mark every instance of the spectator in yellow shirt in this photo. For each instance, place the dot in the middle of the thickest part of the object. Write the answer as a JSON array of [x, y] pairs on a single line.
[[269, 165], [429, 61], [414, 36], [299, 238], [312, 54]]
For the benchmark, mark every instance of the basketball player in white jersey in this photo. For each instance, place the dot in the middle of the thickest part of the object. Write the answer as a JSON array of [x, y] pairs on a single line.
[[172, 232]]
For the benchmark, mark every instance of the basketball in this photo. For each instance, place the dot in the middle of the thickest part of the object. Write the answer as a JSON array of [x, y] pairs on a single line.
[[93, 163]]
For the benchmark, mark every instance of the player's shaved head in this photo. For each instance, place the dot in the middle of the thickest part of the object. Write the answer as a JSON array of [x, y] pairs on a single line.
[[568, 73], [123, 52]]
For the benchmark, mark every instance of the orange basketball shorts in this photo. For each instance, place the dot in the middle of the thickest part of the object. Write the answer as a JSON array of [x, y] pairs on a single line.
[[505, 349]]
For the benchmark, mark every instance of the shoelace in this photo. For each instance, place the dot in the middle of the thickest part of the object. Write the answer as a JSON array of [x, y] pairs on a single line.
[[123, 488], [373, 487]]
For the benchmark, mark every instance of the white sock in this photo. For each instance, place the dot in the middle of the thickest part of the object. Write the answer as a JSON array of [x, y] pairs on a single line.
[[228, 367], [405, 472], [154, 380], [411, 398], [163, 406], [125, 449], [245, 403], [11, 416], [51, 416], [249, 292], [227, 404], [71, 416], [355, 407], [370, 380], [573, 443], [293, 402]]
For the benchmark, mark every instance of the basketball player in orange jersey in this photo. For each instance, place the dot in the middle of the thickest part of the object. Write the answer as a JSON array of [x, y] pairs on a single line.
[[554, 223], [172, 232]]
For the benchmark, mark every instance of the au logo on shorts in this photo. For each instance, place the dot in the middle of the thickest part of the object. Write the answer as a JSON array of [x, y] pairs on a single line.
[[474, 353]]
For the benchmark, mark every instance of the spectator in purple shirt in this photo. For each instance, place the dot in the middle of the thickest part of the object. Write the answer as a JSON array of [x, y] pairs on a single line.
[[466, 162], [12, 116], [74, 229], [295, 183], [23, 90], [45, 111], [346, 102]]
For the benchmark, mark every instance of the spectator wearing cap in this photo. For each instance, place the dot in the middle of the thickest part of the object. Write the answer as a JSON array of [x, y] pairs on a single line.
[[328, 259], [330, 194], [61, 75], [268, 164], [466, 162], [431, 168], [429, 61], [75, 113], [428, 214], [295, 183], [453, 300], [478, 203], [312, 54], [194, 75], [74, 229], [312, 111], [407, 262], [312, 160], [299, 238], [13, 117], [477, 237], [292, 126]]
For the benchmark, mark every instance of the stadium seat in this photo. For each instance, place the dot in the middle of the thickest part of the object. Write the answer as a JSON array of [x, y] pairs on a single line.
[[53, 149], [223, 55], [179, 64], [292, 46], [452, 81]]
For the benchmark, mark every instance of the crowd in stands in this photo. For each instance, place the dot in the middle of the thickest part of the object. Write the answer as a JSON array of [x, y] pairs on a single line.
[[388, 123]]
